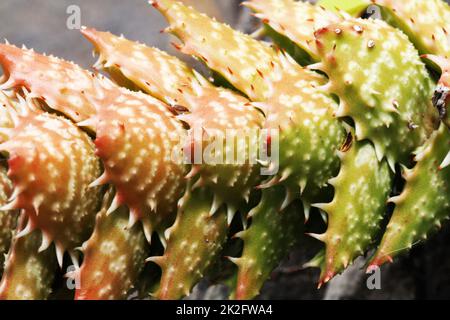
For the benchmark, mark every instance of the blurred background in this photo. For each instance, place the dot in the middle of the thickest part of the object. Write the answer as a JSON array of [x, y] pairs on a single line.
[[42, 25]]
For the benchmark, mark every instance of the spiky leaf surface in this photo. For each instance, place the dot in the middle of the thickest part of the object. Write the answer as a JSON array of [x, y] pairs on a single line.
[[381, 83], [245, 62], [297, 20], [309, 133], [29, 274], [152, 70], [335, 53], [212, 113], [231, 53], [125, 121], [292, 101], [57, 82], [114, 257], [338, 254], [138, 140], [357, 209], [194, 242], [51, 164], [131, 129], [291, 31], [8, 219], [426, 22], [231, 171], [270, 237], [424, 202]]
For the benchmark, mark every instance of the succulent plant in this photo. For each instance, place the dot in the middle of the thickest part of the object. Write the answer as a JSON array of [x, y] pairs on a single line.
[[344, 103], [29, 273], [102, 101], [51, 163], [114, 256], [425, 23], [266, 242], [357, 81], [262, 77], [209, 112], [419, 208]]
